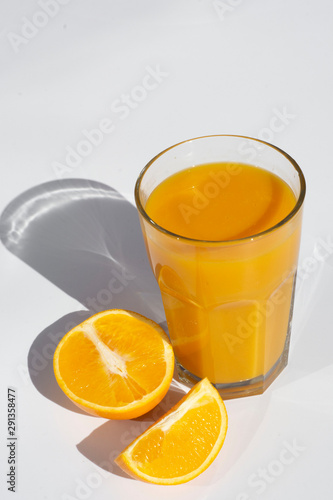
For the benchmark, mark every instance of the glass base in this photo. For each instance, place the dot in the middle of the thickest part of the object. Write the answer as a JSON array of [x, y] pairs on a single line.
[[243, 388]]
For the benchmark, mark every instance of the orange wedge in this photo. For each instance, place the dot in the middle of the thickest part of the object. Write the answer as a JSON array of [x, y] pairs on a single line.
[[116, 364], [182, 443]]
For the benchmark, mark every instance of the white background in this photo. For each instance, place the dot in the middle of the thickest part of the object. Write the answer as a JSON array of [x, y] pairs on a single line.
[[220, 68]]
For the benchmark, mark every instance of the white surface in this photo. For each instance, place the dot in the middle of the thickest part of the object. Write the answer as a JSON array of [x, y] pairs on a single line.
[[219, 73]]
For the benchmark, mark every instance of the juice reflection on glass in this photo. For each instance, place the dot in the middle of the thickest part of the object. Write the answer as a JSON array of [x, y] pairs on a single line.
[[222, 237]]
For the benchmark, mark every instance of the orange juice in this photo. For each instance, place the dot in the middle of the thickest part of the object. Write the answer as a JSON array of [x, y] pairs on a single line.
[[227, 296], [221, 201]]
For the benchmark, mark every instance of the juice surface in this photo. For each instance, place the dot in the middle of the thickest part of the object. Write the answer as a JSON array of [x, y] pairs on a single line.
[[220, 201], [227, 305]]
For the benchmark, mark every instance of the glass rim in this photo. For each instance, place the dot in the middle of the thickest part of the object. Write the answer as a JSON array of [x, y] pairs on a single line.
[[289, 216]]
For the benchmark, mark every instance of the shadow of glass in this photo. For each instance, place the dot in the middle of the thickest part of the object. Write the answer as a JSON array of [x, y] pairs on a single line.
[[105, 443], [84, 237]]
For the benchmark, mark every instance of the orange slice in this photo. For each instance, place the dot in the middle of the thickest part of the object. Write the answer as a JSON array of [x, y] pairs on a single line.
[[116, 364], [182, 443]]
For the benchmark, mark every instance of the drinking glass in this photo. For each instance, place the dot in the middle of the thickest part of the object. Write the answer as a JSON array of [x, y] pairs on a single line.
[[228, 304]]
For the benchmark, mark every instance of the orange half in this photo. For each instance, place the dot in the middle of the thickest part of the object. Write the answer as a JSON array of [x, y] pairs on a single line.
[[116, 364]]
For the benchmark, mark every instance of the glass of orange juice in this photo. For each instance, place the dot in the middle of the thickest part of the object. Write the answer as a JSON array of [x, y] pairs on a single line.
[[221, 218]]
